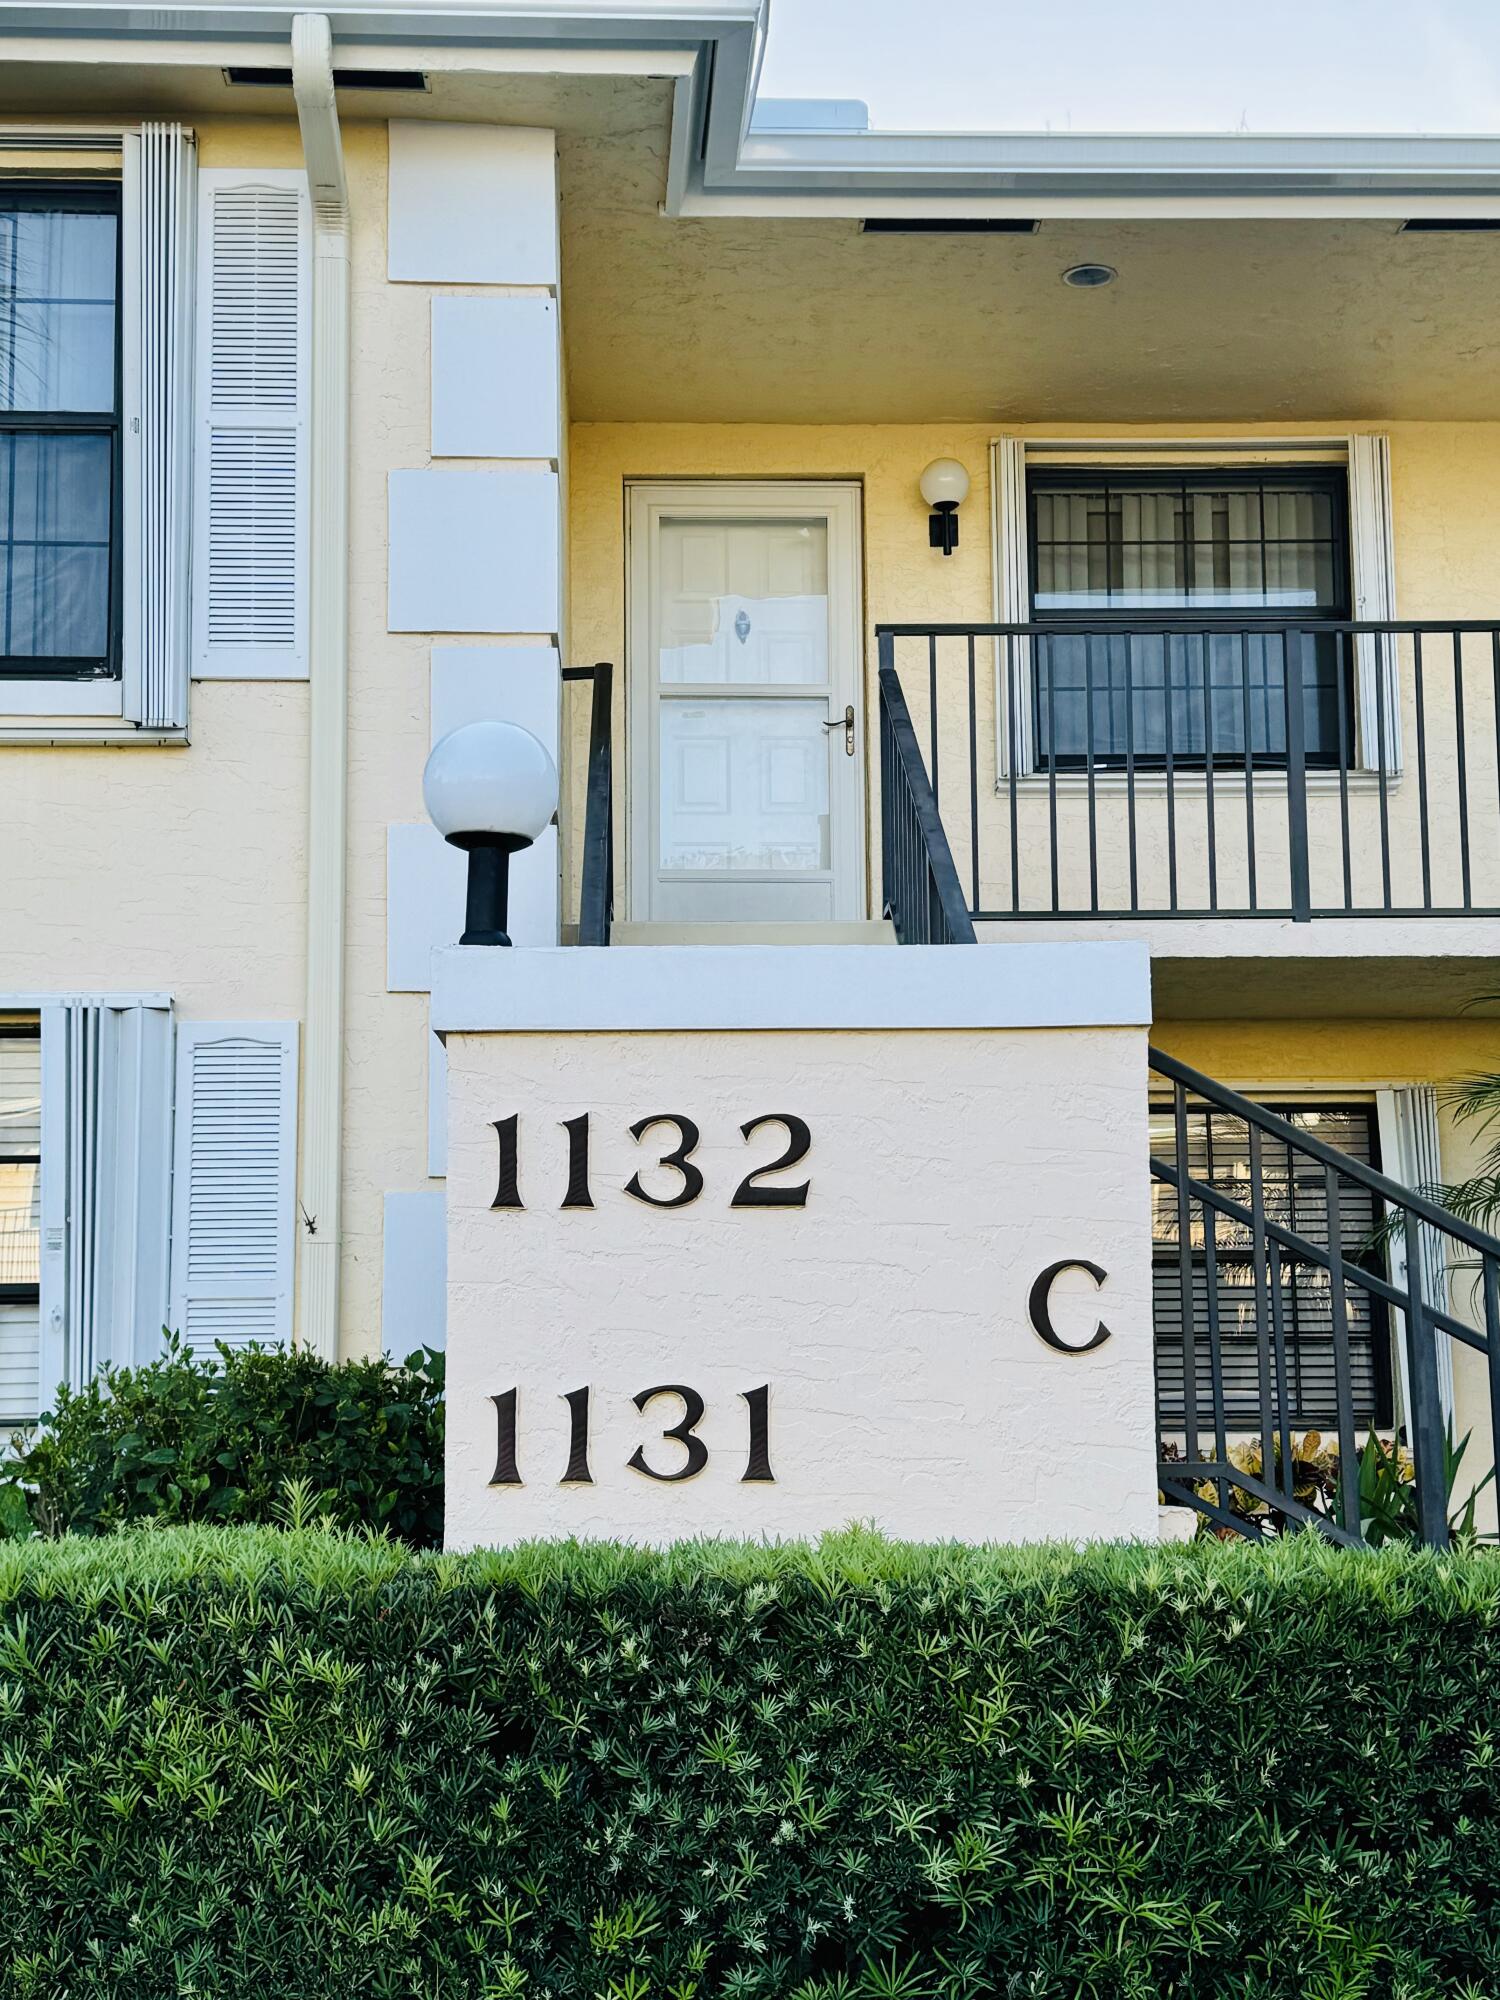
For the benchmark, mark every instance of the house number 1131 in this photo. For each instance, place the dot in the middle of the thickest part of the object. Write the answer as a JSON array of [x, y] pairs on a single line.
[[752, 1191], [684, 1432]]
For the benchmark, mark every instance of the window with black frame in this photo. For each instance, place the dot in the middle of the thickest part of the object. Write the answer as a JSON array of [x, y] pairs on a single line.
[[1295, 1196], [59, 431], [1154, 557]]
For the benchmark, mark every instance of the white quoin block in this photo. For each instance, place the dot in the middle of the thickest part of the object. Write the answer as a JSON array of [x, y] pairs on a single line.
[[414, 1278], [425, 893], [864, 1352], [473, 552], [497, 684], [471, 204], [494, 378]]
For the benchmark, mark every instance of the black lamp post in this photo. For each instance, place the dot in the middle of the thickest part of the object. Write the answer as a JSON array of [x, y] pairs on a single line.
[[491, 789]]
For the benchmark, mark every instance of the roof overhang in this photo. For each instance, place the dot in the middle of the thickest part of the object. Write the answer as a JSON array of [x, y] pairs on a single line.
[[721, 166]]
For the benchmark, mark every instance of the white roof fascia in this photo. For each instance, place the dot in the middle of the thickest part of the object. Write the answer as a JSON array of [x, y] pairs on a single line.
[[720, 166], [973, 173]]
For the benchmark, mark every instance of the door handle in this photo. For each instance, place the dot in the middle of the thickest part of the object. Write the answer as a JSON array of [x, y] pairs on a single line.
[[846, 723]]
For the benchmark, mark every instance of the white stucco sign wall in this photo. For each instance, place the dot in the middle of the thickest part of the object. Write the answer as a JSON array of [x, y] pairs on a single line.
[[648, 1350]]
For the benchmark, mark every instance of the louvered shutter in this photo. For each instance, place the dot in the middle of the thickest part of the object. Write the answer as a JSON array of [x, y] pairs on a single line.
[[160, 190], [234, 1183], [1372, 542], [251, 475]]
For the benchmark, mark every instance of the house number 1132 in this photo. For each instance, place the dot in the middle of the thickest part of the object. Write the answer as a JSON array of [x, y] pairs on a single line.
[[752, 1192]]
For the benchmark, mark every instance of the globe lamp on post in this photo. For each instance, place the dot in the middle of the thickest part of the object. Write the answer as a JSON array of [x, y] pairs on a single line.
[[491, 789]]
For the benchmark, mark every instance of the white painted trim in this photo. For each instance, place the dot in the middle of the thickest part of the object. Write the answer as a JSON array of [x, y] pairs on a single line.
[[840, 503], [719, 166], [321, 1126], [47, 737], [414, 1272], [1411, 1153], [710, 987], [49, 698]]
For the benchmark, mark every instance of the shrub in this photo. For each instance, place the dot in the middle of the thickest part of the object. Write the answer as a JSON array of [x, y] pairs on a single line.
[[184, 1439], [303, 1765]]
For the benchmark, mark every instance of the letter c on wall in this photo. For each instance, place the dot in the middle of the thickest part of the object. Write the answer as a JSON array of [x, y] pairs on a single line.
[[1038, 1305]]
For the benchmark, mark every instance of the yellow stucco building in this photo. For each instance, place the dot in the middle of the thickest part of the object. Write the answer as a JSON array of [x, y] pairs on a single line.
[[999, 547]]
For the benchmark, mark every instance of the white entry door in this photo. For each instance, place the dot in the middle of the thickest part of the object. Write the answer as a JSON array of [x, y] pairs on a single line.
[[746, 711]]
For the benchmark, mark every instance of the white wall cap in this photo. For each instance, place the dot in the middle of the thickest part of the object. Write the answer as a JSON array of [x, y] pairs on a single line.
[[478, 990]]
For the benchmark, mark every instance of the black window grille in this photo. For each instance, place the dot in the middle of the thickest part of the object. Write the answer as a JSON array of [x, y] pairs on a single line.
[[1259, 551], [1295, 1196], [60, 374]]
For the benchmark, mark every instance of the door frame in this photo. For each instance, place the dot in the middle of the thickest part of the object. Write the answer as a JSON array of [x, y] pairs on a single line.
[[840, 502]]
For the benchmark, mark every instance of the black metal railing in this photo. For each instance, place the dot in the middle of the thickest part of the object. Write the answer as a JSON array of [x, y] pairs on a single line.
[[596, 897], [921, 893], [1207, 768], [1292, 1272]]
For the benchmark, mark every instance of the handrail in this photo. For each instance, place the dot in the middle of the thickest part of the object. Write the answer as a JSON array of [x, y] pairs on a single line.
[[1389, 1191], [1277, 1248], [1189, 623], [596, 895], [921, 892]]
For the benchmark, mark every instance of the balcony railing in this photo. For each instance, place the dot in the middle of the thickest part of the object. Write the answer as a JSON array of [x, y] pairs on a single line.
[[1197, 769]]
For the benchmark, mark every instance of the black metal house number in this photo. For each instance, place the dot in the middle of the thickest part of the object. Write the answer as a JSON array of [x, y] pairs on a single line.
[[752, 1192], [684, 1432]]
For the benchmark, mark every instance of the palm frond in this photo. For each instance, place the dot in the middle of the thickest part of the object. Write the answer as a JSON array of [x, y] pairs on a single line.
[[1473, 1098]]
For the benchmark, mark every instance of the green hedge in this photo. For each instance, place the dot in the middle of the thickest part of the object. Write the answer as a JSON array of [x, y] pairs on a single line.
[[245, 1435], [263, 1765]]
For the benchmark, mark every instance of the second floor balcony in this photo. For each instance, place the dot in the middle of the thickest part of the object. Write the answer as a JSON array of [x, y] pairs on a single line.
[[1092, 770], [1092, 773]]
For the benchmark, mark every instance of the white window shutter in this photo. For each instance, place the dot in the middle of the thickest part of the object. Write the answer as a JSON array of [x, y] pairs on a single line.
[[160, 191], [1411, 1153], [1372, 564], [1013, 749], [234, 1183], [250, 513]]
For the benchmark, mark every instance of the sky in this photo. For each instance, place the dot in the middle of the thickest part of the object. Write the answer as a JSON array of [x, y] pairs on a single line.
[[1145, 65]]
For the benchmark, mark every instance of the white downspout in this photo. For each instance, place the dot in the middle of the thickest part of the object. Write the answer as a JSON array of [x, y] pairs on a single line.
[[319, 1175]]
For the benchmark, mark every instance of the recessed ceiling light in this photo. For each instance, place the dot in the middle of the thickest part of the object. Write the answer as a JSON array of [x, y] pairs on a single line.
[[1088, 277]]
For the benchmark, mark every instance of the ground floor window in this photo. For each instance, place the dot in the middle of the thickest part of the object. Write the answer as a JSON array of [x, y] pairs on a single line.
[[1295, 1196], [20, 1217]]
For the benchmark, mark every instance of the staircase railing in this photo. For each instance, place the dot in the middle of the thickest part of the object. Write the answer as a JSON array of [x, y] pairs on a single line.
[[596, 896], [921, 893], [1295, 1270]]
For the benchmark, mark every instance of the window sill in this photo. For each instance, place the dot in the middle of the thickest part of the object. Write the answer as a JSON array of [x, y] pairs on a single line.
[[57, 699]]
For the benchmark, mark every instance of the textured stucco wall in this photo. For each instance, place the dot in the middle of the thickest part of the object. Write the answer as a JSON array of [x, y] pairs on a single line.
[[888, 1316]]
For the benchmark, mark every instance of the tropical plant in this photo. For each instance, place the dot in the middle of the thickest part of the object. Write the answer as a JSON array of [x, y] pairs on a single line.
[[1387, 1489], [1388, 1493], [224, 1438]]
